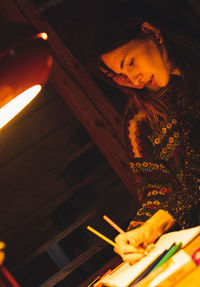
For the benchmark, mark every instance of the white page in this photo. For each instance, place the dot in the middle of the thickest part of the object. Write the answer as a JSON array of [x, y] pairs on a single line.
[[127, 273]]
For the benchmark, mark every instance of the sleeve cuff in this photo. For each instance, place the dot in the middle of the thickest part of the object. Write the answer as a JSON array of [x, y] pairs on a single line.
[[134, 224]]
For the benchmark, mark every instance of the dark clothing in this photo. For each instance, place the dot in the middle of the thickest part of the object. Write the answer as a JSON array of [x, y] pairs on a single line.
[[166, 161]]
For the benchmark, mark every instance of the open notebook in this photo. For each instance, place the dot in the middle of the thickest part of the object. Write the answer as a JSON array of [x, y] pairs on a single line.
[[125, 273]]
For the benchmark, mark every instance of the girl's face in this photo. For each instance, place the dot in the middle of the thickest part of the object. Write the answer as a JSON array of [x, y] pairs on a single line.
[[139, 64]]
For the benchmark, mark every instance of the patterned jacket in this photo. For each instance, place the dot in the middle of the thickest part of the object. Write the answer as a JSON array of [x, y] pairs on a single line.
[[166, 162]]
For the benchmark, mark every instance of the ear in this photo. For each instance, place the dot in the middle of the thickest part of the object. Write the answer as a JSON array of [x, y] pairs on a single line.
[[150, 30]]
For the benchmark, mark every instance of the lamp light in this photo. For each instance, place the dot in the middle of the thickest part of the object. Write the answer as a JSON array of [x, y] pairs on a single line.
[[25, 64]]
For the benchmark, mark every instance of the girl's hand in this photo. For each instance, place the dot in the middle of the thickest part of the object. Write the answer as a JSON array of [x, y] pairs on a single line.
[[132, 245]]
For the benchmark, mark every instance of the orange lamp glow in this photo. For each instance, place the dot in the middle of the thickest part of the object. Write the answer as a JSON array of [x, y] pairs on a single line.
[[25, 64]]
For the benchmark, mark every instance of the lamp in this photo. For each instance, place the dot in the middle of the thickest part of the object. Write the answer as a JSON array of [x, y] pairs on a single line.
[[25, 64]]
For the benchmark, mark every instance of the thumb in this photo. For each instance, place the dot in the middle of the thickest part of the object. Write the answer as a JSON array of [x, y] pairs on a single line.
[[139, 236]]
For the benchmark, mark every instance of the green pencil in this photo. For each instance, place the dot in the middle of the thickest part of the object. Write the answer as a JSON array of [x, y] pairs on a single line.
[[167, 255]]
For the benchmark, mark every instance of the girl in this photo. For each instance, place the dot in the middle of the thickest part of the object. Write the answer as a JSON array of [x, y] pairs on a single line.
[[157, 65]]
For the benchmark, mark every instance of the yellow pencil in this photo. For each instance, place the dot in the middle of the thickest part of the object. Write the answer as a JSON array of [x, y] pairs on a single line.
[[101, 235]]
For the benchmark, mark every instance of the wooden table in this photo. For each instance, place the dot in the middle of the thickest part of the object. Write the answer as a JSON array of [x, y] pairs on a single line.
[[193, 278]]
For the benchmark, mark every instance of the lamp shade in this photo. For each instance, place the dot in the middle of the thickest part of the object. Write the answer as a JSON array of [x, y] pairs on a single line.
[[25, 64]]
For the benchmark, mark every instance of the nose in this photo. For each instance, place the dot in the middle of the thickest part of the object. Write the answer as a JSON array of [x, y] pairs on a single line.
[[137, 80]]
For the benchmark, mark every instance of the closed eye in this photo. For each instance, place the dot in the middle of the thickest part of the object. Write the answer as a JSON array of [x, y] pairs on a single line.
[[131, 62]]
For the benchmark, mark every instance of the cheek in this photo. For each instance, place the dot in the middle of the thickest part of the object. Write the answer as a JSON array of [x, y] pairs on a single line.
[[159, 70], [162, 77]]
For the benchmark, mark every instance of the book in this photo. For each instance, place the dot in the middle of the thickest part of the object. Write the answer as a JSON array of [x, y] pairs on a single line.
[[170, 273], [152, 266], [125, 273]]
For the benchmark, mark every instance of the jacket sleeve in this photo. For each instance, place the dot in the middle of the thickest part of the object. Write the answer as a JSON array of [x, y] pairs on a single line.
[[166, 168]]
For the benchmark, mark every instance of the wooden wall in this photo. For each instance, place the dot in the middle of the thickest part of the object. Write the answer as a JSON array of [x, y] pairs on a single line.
[[55, 180], [57, 176]]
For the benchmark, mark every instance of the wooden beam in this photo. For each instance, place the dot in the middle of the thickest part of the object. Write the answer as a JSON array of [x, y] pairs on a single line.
[[54, 240], [88, 212], [81, 151], [111, 264], [73, 265]]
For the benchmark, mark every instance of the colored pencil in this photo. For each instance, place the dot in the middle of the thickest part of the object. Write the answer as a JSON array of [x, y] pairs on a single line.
[[150, 267], [94, 281], [101, 235], [114, 225], [169, 254], [121, 231]]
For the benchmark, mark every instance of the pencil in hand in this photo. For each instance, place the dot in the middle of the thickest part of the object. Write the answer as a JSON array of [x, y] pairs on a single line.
[[147, 248], [114, 225], [101, 235]]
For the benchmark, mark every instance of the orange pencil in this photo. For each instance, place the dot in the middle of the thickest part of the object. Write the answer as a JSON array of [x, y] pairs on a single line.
[[115, 226]]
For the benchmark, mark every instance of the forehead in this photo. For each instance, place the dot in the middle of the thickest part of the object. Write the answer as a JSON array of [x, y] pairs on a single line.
[[114, 58]]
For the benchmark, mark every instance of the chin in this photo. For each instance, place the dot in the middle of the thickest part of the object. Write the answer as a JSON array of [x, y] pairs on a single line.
[[154, 88]]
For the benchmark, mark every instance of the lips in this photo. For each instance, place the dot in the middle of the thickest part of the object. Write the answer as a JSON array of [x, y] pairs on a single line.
[[150, 83], [151, 80]]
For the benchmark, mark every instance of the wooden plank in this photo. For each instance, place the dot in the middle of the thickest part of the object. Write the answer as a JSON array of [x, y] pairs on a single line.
[[97, 127], [90, 105], [73, 265], [193, 245], [85, 214], [17, 234], [36, 170], [190, 280], [48, 4], [33, 129], [82, 150], [46, 206], [18, 250], [54, 240], [27, 239], [111, 264]]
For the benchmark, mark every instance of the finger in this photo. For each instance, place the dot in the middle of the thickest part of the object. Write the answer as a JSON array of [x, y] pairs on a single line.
[[124, 239], [137, 236], [121, 239], [131, 240], [133, 258], [118, 251], [149, 248], [124, 246], [128, 241], [130, 249]]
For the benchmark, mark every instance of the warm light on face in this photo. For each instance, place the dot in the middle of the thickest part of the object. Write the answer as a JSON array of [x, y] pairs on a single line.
[[10, 110]]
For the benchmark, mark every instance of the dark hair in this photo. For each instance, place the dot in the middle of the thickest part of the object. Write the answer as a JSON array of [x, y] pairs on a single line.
[[183, 49]]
